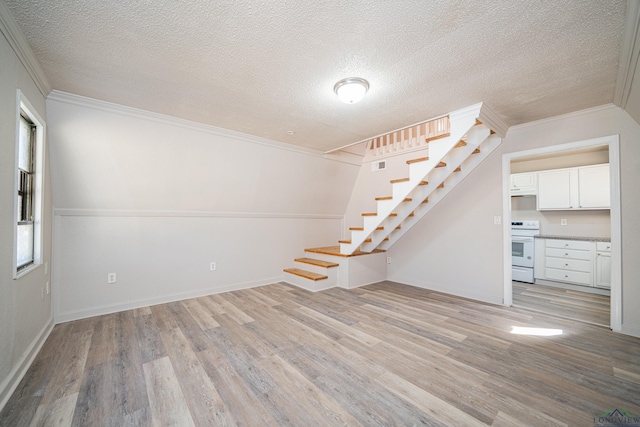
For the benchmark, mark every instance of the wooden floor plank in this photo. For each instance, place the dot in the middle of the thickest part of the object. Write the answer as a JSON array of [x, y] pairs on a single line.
[[383, 354], [205, 404], [568, 303], [168, 404]]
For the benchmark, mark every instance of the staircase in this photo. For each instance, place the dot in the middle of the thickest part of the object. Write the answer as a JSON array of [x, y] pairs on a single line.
[[447, 149]]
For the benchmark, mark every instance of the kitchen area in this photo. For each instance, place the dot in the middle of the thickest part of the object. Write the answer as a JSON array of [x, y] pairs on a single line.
[[561, 230]]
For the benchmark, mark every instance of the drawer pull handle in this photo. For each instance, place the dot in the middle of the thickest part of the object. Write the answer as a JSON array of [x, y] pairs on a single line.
[[566, 265], [566, 277], [566, 254]]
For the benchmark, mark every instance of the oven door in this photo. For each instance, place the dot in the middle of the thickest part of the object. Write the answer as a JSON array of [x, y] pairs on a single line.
[[522, 248]]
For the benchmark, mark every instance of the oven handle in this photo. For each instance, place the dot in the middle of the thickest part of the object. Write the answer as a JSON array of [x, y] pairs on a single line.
[[521, 239]]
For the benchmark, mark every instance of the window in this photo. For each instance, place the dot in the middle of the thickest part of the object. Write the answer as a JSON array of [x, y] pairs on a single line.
[[26, 172], [29, 168]]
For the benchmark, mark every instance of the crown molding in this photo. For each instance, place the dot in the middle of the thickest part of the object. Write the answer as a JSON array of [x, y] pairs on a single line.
[[17, 41], [629, 53], [109, 107]]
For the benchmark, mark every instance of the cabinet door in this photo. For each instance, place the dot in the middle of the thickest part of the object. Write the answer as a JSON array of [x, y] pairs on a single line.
[[594, 190], [603, 270], [554, 190]]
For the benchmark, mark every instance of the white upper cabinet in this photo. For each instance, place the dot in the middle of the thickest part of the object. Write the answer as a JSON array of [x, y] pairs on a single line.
[[594, 188], [584, 187], [524, 184], [554, 189]]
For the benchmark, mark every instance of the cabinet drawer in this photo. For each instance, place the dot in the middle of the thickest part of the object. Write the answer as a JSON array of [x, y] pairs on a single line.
[[569, 264], [568, 253], [569, 244], [569, 276], [603, 246]]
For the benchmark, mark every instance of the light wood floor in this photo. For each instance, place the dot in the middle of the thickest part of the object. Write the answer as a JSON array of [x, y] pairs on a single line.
[[583, 306], [385, 354]]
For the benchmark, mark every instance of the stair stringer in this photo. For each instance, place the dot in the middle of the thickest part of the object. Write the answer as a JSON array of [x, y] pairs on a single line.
[[468, 165], [462, 121], [446, 175]]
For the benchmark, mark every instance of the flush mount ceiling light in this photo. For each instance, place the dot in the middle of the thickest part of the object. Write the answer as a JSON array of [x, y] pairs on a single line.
[[351, 90]]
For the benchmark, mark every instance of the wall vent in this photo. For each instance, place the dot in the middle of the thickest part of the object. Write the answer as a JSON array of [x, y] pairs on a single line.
[[378, 166]]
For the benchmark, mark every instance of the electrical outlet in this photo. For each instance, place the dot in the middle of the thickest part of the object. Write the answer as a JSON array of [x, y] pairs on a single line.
[[497, 220], [388, 260], [212, 266], [111, 278], [563, 221]]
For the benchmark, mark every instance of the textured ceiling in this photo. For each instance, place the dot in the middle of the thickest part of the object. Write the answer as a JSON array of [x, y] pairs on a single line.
[[268, 67]]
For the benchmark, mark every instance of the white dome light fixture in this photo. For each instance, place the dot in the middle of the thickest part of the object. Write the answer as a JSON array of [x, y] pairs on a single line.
[[351, 90]]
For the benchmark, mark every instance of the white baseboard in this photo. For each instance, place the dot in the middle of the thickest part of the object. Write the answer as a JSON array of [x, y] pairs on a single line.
[[98, 311], [634, 331], [464, 293], [11, 382]]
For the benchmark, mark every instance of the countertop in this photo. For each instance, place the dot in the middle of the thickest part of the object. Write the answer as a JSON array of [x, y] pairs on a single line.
[[584, 239]]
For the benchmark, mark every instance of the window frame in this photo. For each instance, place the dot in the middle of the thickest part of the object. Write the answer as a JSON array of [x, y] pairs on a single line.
[[24, 108]]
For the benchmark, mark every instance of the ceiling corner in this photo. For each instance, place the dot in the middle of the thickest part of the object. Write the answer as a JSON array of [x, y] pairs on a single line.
[[9, 28], [629, 53]]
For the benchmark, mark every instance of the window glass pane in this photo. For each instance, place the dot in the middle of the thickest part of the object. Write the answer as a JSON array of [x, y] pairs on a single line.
[[25, 244], [20, 202], [24, 151]]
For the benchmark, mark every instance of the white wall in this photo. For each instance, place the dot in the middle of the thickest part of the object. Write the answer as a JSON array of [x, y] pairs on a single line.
[[156, 199], [457, 249], [587, 223], [25, 318]]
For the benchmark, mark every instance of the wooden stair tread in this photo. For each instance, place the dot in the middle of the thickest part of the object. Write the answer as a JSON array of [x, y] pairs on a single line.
[[362, 228], [426, 200], [317, 262], [335, 251], [375, 214], [418, 160], [476, 151], [433, 138], [441, 185], [458, 169], [394, 181], [306, 274], [441, 165], [408, 199], [460, 143], [348, 242]]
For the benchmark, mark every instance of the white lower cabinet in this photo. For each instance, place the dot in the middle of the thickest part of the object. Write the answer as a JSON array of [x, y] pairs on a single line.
[[572, 261], [603, 265]]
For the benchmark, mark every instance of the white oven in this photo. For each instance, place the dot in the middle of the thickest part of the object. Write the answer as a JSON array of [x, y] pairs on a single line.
[[523, 249]]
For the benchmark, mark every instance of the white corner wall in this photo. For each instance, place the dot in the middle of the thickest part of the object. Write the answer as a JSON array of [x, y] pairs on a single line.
[[25, 315], [457, 248], [156, 200]]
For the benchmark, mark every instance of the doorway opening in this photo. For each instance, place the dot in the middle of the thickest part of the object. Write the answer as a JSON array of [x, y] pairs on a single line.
[[590, 304]]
